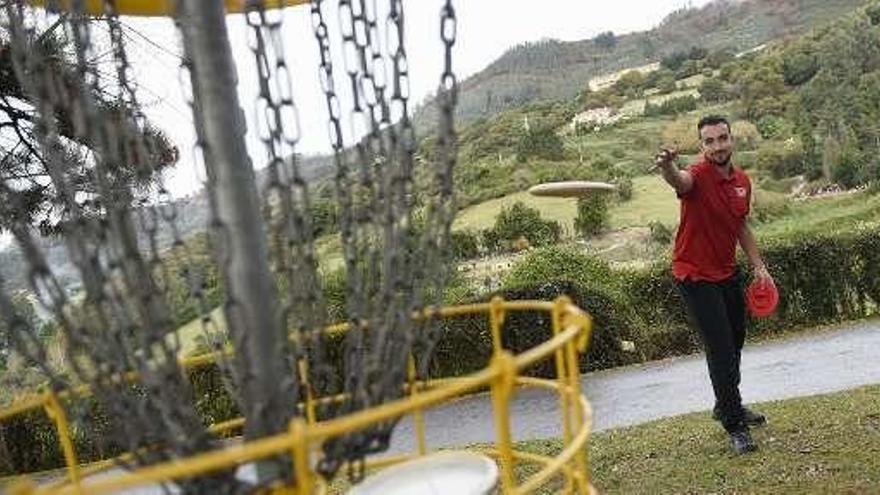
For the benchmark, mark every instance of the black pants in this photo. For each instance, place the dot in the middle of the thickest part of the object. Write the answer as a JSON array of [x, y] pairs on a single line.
[[718, 310]]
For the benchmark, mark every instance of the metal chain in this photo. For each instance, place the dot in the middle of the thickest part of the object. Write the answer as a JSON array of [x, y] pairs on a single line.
[[286, 191], [443, 209], [386, 272]]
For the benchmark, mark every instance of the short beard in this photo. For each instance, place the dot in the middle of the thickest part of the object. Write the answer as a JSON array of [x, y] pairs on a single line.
[[725, 163]]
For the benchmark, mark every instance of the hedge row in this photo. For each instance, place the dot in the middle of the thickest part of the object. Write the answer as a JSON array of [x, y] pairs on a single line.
[[822, 279]]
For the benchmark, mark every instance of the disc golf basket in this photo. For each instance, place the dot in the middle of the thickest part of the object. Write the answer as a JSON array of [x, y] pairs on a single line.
[[316, 399]]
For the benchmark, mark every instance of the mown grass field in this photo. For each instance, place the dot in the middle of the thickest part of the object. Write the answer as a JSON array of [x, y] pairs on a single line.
[[652, 201], [814, 445]]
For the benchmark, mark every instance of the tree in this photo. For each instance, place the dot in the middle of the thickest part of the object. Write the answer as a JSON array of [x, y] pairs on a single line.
[[540, 141], [799, 66], [781, 159], [606, 40], [672, 106], [698, 53], [631, 84], [24, 310], [873, 12], [674, 60], [713, 90], [718, 58], [25, 170]]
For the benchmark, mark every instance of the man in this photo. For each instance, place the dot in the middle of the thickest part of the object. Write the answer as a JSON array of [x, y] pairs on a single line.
[[715, 199]]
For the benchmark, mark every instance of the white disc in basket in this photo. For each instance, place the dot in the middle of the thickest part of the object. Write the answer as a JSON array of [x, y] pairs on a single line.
[[570, 188], [446, 473]]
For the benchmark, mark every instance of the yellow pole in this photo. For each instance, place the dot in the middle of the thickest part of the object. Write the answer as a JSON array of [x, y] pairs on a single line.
[[56, 412], [303, 367], [304, 482], [496, 319], [562, 370], [581, 469], [504, 365], [419, 414]]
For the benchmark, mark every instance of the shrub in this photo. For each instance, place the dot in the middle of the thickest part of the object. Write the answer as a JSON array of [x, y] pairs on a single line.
[[624, 187], [559, 263], [713, 90], [592, 215], [746, 134], [769, 206], [521, 221], [781, 159], [873, 13], [799, 66], [540, 141], [672, 106], [465, 244], [852, 168], [660, 233], [773, 127]]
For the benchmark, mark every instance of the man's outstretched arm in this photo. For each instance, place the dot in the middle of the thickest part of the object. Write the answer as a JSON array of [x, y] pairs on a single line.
[[680, 180]]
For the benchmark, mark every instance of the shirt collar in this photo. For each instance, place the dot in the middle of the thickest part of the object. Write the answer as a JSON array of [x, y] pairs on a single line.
[[717, 173]]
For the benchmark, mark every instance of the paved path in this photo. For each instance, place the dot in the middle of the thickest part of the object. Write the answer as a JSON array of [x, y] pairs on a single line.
[[804, 365]]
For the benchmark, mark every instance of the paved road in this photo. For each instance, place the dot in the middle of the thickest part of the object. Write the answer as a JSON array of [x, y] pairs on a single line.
[[805, 365]]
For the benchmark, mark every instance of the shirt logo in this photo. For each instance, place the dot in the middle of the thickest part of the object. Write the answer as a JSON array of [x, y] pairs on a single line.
[[741, 191]]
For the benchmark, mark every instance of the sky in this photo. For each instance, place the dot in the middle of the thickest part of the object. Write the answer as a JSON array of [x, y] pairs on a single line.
[[485, 30]]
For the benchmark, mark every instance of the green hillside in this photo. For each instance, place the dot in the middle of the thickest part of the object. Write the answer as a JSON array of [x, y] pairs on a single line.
[[553, 70]]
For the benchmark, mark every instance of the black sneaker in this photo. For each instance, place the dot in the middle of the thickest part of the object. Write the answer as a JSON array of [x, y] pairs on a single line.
[[750, 417], [753, 418], [741, 442]]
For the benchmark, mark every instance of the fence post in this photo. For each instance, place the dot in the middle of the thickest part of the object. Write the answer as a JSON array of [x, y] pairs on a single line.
[[57, 414]]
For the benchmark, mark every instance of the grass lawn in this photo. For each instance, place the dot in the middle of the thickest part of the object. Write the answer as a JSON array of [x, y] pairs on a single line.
[[822, 444], [190, 332], [831, 214], [652, 201]]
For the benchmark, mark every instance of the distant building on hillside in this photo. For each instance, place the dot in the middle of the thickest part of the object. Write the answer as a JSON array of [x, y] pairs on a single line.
[[594, 118]]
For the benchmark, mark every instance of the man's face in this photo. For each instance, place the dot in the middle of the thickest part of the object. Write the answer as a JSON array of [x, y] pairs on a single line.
[[717, 143]]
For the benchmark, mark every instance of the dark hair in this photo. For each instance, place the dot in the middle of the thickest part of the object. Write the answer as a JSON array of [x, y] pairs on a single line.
[[712, 120]]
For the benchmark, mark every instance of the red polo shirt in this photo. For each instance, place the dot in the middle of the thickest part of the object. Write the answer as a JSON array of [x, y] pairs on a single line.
[[712, 214]]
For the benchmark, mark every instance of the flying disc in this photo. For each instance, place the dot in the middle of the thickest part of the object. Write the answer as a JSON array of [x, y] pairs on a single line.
[[570, 188], [762, 298]]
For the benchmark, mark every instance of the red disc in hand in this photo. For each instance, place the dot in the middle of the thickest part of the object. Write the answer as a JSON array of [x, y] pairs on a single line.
[[762, 298]]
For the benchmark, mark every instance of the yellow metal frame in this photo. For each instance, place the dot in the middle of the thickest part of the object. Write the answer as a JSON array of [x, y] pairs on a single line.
[[571, 332], [159, 7]]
